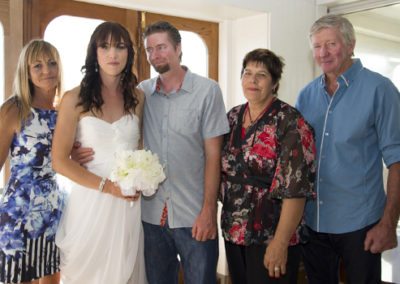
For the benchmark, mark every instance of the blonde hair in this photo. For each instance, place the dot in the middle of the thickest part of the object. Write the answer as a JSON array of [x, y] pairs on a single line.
[[23, 89]]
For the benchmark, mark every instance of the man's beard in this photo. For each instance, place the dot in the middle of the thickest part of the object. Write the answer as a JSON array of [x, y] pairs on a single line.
[[162, 68]]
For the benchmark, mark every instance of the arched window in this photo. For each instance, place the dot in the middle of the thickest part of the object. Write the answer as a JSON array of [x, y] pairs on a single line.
[[71, 45]]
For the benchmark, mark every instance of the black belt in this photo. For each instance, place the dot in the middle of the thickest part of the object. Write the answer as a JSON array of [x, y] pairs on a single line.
[[249, 180]]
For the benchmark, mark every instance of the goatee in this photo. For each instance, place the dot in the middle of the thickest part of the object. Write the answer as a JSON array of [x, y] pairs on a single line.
[[162, 68]]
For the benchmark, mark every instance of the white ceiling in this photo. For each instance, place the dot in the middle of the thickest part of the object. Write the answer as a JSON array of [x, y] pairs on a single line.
[[380, 22], [199, 9], [383, 22], [389, 13]]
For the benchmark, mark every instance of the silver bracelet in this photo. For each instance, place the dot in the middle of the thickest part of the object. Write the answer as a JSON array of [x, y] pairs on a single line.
[[102, 184]]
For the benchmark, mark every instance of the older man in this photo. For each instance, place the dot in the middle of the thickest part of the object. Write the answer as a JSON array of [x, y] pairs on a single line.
[[356, 117]]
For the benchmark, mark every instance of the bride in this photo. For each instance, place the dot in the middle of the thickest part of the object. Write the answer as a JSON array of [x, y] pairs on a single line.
[[100, 234]]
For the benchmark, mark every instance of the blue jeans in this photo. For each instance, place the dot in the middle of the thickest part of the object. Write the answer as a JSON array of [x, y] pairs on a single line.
[[162, 245]]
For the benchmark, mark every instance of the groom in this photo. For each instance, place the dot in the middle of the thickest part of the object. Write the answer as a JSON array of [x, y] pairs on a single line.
[[184, 120]]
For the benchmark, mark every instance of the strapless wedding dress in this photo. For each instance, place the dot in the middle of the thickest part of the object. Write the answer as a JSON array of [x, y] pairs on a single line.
[[100, 236]]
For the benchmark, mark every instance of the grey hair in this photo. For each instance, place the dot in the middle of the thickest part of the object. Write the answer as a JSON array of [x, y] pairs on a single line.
[[344, 26]]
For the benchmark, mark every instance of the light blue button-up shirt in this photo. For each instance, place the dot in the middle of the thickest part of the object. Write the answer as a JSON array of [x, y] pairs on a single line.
[[355, 129], [175, 127]]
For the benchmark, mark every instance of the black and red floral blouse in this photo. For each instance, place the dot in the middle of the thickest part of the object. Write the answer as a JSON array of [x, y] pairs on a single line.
[[272, 159]]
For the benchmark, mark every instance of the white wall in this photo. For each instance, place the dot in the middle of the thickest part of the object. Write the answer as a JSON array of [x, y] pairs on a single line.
[[237, 38], [289, 38], [281, 26]]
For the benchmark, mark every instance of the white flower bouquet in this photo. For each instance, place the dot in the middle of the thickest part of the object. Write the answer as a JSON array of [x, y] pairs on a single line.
[[138, 170]]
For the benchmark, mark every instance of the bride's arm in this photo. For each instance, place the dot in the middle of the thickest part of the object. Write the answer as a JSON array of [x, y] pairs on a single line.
[[63, 140]]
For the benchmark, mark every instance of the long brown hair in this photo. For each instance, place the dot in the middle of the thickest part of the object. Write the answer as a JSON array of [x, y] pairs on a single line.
[[90, 92]]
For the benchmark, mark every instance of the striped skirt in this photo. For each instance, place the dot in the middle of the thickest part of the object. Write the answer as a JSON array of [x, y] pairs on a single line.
[[41, 258]]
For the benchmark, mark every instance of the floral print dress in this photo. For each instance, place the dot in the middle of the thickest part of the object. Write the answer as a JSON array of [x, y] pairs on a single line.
[[272, 159], [30, 208]]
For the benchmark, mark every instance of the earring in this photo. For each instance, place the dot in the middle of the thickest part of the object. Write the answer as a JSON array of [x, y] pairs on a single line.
[[96, 67]]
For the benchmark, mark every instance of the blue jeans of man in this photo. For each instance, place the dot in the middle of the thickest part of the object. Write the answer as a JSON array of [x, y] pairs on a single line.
[[162, 245]]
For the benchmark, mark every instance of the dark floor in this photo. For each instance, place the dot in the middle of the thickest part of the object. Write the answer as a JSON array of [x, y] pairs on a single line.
[[301, 279]]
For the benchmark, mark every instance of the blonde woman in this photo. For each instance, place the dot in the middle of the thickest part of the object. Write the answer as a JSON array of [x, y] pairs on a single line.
[[31, 204]]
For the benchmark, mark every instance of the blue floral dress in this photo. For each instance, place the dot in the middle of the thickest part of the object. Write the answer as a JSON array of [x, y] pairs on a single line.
[[31, 205]]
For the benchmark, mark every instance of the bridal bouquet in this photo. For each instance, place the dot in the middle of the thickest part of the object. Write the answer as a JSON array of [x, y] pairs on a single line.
[[138, 170]]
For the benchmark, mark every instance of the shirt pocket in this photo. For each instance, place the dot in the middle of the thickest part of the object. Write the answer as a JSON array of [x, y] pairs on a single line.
[[185, 121]]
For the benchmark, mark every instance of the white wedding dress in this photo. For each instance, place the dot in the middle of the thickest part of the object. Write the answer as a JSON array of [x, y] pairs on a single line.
[[100, 236]]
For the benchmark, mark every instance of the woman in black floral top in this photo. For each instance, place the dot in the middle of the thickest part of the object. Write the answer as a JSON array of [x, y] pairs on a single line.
[[267, 175]]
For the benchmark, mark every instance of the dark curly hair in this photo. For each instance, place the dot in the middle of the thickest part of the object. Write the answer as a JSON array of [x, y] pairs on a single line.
[[270, 60], [90, 92]]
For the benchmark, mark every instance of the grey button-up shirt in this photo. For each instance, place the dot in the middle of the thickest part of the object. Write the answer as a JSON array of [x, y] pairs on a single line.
[[175, 126]]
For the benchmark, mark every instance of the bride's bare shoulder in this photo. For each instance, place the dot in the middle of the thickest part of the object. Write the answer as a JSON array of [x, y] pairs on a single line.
[[70, 100]]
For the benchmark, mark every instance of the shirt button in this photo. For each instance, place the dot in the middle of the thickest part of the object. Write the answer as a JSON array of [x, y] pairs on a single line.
[[330, 112], [326, 133], [321, 202], [320, 179]]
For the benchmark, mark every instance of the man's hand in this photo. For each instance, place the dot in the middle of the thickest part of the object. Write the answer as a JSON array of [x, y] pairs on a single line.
[[205, 225], [80, 154], [381, 237]]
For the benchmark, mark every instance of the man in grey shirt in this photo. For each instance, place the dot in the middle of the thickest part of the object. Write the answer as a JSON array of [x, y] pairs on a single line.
[[184, 120]]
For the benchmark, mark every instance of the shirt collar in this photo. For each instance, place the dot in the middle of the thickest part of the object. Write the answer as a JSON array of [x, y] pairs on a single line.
[[348, 76], [186, 86]]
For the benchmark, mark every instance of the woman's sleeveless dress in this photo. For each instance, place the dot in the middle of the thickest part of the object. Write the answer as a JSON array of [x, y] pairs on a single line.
[[100, 236], [30, 208]]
